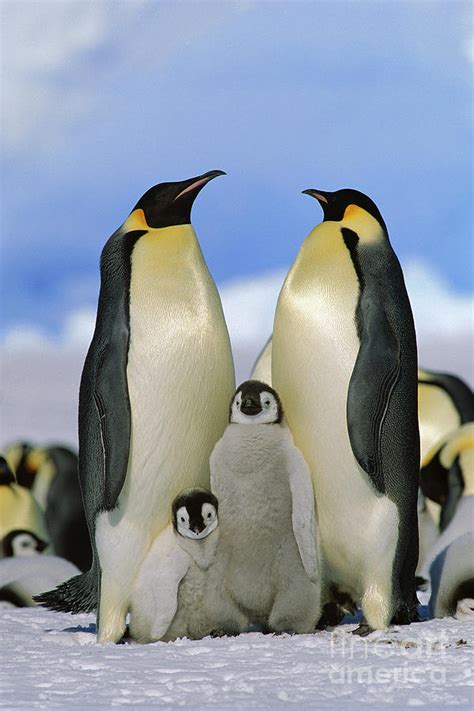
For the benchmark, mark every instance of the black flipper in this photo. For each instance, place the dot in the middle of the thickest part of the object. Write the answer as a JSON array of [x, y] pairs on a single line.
[[78, 594], [373, 379], [104, 406]]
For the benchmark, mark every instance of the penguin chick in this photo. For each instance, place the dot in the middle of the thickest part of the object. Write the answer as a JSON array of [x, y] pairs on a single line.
[[22, 543], [268, 555], [186, 546]]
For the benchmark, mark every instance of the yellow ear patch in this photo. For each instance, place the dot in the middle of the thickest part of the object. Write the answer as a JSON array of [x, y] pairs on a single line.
[[353, 211], [461, 440], [362, 222], [135, 221]]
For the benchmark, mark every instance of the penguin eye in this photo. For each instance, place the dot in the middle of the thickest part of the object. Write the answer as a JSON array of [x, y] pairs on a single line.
[[182, 519], [267, 403], [209, 515]]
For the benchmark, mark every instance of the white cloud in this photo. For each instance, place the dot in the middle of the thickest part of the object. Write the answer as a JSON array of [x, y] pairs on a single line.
[[249, 307], [41, 41]]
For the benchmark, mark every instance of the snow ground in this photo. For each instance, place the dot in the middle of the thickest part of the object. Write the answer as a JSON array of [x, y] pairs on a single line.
[[52, 661]]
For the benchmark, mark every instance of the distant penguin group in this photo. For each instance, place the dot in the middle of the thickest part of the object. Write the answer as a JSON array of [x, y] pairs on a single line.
[[313, 465]]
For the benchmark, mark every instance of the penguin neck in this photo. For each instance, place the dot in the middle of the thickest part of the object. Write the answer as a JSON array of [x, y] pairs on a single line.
[[167, 248], [203, 550]]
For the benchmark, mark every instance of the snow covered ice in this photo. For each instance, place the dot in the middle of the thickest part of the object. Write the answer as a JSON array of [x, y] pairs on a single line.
[[52, 661]]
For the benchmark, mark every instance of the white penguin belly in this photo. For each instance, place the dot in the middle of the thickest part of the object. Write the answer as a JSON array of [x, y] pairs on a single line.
[[320, 319]]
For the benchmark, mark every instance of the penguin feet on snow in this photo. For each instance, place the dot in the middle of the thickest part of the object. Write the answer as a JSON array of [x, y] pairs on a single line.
[[184, 548], [268, 556]]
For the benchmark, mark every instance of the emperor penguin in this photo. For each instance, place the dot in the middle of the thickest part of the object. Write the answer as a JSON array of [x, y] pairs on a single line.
[[448, 479], [344, 362], [445, 402], [153, 395], [165, 601], [268, 559], [52, 475], [23, 530]]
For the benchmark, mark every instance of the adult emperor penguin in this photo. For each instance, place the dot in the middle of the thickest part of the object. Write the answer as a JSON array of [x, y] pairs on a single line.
[[445, 402], [345, 365], [165, 602], [448, 479], [268, 555], [153, 396], [22, 527]]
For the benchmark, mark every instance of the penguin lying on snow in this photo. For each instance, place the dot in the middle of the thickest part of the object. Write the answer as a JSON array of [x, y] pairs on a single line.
[[448, 479], [168, 590], [159, 343], [344, 362], [22, 578], [268, 563]]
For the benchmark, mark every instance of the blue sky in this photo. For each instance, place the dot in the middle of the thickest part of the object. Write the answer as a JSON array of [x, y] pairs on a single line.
[[103, 100]]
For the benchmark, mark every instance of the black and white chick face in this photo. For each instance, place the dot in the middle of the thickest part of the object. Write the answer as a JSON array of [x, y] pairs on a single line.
[[255, 403], [195, 513], [22, 543]]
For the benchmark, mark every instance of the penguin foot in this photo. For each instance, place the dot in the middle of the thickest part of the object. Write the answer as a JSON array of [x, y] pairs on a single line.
[[331, 616], [405, 615], [363, 630], [224, 633]]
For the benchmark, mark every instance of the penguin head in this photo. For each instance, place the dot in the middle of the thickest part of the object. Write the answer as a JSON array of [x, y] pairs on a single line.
[[6, 474], [447, 471], [168, 204], [346, 204], [22, 543], [257, 403], [195, 513]]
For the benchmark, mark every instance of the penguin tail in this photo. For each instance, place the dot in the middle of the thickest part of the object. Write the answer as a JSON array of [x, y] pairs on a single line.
[[76, 595]]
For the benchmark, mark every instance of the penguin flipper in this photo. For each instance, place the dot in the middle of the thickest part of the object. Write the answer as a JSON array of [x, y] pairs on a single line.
[[376, 372], [155, 596], [303, 514]]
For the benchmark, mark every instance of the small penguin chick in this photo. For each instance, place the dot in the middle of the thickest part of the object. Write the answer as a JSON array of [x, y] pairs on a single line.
[[178, 553], [255, 403], [195, 513], [22, 543]]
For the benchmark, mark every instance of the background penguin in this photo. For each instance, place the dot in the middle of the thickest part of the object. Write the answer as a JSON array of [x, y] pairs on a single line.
[[51, 473], [448, 479], [183, 550], [16, 455], [22, 526], [22, 578], [345, 364], [262, 369], [268, 554], [444, 403], [153, 394]]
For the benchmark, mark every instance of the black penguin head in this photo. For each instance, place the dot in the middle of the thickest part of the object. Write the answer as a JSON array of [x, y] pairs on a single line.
[[255, 402], [194, 513], [6, 474], [22, 543], [168, 204], [335, 204]]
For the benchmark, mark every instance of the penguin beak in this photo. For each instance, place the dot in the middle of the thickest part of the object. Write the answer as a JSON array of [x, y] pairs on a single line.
[[195, 185], [250, 407], [321, 196]]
